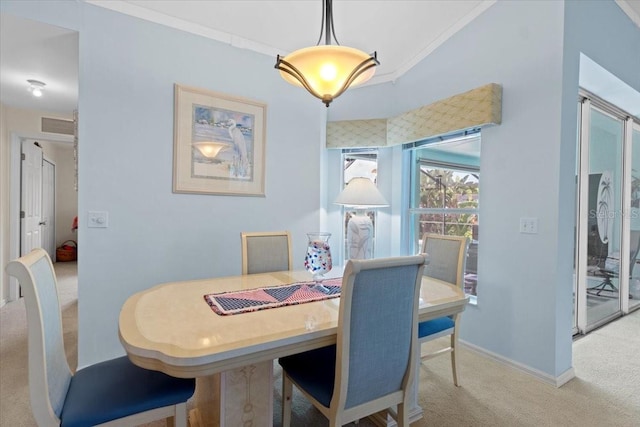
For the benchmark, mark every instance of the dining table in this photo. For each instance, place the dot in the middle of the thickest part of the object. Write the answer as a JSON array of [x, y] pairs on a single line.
[[174, 328]]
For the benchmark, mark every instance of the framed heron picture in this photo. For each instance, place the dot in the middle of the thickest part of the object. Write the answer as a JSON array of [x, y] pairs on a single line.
[[219, 143]]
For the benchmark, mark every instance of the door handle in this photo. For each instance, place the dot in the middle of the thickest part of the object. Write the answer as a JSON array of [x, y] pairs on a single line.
[[42, 223]]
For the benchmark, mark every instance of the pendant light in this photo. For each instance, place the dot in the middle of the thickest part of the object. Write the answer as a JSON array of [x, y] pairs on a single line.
[[326, 71]]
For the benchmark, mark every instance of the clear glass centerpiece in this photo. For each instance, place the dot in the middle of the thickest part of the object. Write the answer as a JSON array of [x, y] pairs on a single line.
[[318, 258]]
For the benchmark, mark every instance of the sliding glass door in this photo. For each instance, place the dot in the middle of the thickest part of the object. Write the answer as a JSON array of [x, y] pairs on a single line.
[[604, 220], [634, 223], [608, 232]]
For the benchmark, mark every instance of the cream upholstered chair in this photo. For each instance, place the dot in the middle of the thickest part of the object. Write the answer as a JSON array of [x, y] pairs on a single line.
[[447, 255], [371, 368], [111, 393], [263, 252]]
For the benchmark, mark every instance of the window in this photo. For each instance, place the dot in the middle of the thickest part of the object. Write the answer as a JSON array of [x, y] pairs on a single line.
[[445, 185]]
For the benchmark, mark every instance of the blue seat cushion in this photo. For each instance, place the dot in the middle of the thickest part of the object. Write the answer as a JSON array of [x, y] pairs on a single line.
[[434, 326], [313, 371], [117, 388]]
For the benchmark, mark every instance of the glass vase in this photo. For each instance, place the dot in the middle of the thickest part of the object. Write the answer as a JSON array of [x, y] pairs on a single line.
[[318, 258]]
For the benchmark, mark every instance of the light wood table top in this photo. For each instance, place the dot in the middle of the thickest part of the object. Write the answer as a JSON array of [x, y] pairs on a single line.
[[171, 328]]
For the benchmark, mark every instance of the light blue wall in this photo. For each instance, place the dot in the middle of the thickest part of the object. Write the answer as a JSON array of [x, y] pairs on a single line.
[[524, 310], [127, 70], [604, 33], [520, 165]]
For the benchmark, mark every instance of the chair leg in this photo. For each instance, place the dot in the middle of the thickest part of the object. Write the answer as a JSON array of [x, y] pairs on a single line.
[[454, 356], [603, 286], [180, 418], [402, 415], [287, 395]]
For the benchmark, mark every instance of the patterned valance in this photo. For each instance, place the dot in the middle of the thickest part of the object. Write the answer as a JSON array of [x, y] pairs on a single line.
[[476, 108]]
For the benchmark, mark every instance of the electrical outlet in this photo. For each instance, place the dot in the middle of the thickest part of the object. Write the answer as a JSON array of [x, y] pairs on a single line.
[[529, 225], [98, 219]]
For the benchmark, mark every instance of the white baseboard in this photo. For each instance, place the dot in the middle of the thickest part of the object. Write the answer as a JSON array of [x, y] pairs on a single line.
[[558, 381]]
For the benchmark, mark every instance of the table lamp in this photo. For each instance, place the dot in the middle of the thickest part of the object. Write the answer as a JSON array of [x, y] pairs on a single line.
[[361, 194]]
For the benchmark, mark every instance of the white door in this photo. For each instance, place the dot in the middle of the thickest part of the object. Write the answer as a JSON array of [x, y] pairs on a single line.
[[48, 207], [30, 197]]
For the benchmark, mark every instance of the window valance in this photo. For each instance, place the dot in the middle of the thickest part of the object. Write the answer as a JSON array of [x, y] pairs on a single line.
[[476, 108]]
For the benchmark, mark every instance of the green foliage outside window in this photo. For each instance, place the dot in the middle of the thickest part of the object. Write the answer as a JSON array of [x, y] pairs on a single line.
[[444, 189]]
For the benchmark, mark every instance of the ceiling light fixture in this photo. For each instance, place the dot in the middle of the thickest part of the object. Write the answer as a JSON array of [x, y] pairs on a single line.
[[326, 71], [36, 87]]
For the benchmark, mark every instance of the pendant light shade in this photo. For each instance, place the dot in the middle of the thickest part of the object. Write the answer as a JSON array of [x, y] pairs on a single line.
[[326, 71]]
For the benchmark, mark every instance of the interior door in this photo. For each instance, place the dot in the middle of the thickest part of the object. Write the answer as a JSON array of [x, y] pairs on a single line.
[[30, 197], [48, 207]]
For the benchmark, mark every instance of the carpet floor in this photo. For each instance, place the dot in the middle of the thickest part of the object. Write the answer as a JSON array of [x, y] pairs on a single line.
[[605, 392]]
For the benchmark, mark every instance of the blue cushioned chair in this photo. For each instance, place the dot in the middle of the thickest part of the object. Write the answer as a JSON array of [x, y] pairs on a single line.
[[447, 256], [111, 393], [371, 367]]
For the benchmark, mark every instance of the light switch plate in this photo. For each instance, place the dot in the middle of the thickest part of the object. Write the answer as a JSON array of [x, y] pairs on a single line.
[[529, 225], [98, 219]]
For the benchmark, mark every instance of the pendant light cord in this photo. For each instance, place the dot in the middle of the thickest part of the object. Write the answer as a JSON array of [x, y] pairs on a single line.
[[326, 24]]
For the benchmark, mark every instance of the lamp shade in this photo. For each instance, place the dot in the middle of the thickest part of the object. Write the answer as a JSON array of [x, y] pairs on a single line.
[[361, 193]]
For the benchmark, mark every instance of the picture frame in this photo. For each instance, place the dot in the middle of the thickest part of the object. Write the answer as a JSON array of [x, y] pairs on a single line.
[[219, 143]]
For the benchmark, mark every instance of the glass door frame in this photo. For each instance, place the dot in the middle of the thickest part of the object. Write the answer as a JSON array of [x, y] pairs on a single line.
[[587, 102]]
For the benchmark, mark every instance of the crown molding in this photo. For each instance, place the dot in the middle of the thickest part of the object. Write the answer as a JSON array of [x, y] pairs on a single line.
[[632, 12]]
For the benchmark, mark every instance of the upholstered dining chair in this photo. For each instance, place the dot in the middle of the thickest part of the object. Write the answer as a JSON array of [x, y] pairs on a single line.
[[110, 393], [263, 252], [371, 367], [447, 255]]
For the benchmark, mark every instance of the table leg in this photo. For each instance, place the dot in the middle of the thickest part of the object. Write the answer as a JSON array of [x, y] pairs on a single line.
[[240, 397], [206, 411]]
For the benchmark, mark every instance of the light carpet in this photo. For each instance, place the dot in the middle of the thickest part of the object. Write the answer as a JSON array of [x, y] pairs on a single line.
[[605, 392]]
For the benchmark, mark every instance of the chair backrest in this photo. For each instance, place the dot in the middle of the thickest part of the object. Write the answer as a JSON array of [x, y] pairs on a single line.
[[263, 252], [447, 257], [377, 330], [49, 372]]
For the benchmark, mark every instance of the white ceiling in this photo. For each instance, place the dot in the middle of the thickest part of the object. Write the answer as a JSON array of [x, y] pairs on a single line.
[[402, 32], [32, 50]]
